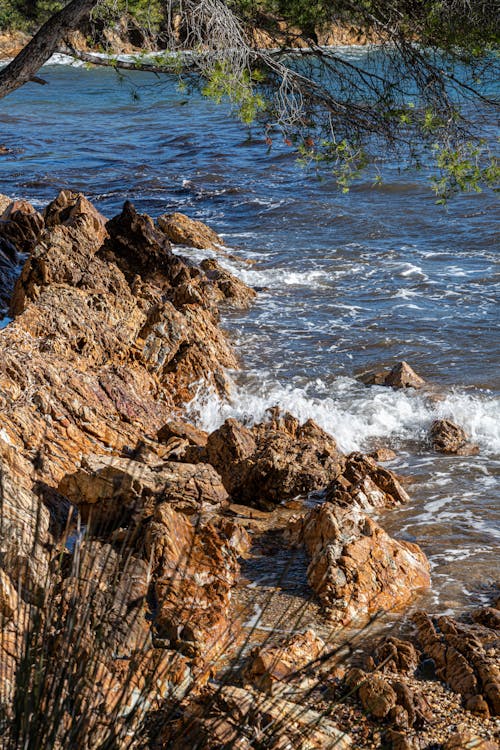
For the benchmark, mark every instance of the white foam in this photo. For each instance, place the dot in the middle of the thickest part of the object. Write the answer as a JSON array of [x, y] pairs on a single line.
[[353, 414]]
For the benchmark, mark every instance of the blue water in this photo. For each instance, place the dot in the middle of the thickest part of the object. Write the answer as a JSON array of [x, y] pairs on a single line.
[[350, 282]]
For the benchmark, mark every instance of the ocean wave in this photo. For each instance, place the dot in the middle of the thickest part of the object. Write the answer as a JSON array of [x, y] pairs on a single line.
[[356, 416]]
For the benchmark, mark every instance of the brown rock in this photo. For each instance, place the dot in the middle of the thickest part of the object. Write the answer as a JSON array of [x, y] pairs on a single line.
[[74, 210], [383, 454], [401, 376], [487, 616], [177, 428], [377, 696], [117, 491], [195, 569], [270, 463], [467, 740], [463, 656], [231, 287], [269, 665], [8, 599], [447, 437], [365, 484], [25, 533], [395, 655], [181, 230], [21, 225], [356, 568]]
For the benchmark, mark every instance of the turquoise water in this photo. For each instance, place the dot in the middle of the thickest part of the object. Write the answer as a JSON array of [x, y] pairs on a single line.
[[349, 282]]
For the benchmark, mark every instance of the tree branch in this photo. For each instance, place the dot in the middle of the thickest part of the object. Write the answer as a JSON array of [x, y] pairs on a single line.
[[45, 42]]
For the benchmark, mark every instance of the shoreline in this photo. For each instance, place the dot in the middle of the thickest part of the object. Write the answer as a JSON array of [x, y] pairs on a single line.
[[144, 372]]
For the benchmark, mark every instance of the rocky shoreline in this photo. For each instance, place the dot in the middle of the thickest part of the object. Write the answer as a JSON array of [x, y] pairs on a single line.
[[125, 527]]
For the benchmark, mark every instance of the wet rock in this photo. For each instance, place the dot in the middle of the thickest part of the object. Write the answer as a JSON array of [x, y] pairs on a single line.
[[181, 230], [114, 492], [383, 454], [365, 484], [447, 437], [401, 376], [102, 358], [269, 665], [466, 657], [356, 568], [21, 225], [232, 289], [274, 460]]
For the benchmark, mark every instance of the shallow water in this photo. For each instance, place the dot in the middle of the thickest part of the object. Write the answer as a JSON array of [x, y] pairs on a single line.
[[348, 282]]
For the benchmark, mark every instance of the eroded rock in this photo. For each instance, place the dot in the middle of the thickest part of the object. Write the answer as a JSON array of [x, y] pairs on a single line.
[[181, 230], [466, 657], [356, 568], [274, 460], [269, 665], [400, 376], [447, 437]]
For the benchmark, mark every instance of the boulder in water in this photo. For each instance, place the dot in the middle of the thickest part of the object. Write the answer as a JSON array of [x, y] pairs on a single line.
[[401, 376], [447, 437], [181, 230]]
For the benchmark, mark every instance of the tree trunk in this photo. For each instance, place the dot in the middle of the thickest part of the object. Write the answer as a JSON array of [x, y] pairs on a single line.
[[43, 45]]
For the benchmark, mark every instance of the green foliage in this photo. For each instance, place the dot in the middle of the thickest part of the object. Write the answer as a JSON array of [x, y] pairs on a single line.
[[465, 169], [224, 83]]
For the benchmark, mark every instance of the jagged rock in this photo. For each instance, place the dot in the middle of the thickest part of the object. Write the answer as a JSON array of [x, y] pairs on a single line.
[[395, 655], [303, 727], [8, 273], [177, 428], [399, 740], [274, 460], [383, 454], [465, 655], [25, 532], [487, 616], [5, 202], [269, 664], [8, 599], [117, 491], [73, 209], [195, 568], [467, 740], [401, 376], [377, 696], [447, 437], [21, 225], [135, 241], [366, 484], [181, 230], [98, 360], [356, 568], [231, 287]]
